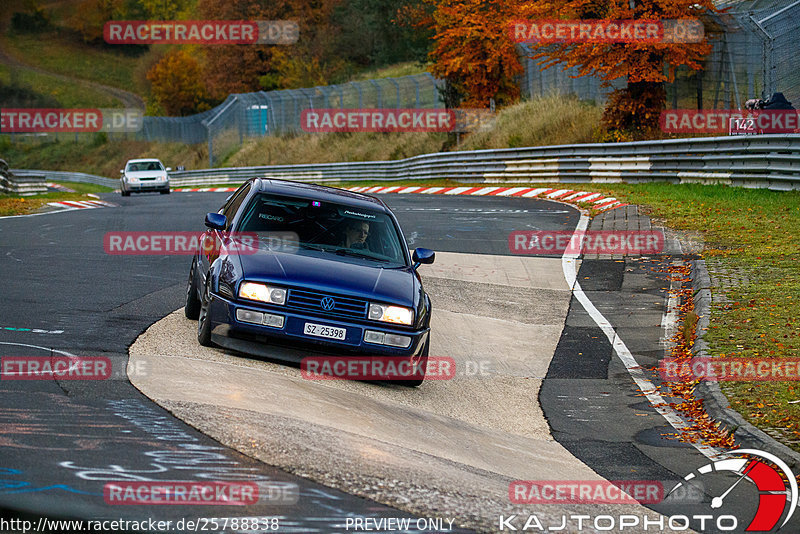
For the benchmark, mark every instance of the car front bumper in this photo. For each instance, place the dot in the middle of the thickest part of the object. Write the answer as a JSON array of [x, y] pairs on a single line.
[[140, 187], [225, 328]]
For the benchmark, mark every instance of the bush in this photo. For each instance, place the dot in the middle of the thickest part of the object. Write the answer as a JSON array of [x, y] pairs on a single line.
[[36, 21]]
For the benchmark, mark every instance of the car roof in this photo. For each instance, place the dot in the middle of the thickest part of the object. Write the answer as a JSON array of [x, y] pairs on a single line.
[[319, 192], [145, 160]]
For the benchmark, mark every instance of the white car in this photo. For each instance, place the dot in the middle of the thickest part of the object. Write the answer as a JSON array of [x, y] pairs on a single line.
[[143, 175]]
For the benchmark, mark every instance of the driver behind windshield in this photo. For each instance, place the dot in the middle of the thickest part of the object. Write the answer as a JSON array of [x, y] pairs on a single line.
[[355, 235]]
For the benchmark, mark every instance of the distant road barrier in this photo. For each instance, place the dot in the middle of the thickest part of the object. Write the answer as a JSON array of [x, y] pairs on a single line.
[[30, 184], [762, 161], [758, 161]]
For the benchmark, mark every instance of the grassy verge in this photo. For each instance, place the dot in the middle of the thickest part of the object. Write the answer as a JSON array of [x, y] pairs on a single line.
[[547, 121], [13, 205], [79, 187], [752, 237], [101, 156], [392, 71], [68, 95], [58, 51]]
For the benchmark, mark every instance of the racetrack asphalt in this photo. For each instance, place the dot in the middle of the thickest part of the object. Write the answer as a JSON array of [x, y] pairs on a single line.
[[60, 441]]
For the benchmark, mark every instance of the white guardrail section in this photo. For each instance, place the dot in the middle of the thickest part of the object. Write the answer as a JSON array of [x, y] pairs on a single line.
[[759, 161], [30, 184]]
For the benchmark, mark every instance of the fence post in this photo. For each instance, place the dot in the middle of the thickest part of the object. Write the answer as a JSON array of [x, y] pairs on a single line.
[[397, 87], [379, 92]]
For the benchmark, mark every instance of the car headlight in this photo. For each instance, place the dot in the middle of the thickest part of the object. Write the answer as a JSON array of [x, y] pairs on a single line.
[[391, 314], [262, 293]]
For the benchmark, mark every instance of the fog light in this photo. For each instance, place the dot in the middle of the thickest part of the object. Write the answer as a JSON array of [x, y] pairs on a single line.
[[370, 336], [275, 321], [397, 341], [382, 338], [247, 316], [254, 317]]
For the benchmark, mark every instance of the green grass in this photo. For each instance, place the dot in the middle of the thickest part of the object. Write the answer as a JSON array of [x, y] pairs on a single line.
[[68, 95], [83, 188], [60, 52], [392, 71], [103, 158]]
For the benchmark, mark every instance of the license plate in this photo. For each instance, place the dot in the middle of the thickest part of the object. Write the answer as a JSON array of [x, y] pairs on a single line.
[[320, 330]]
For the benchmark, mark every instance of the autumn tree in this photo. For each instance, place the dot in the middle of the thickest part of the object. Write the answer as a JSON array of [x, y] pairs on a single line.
[[90, 16], [166, 9], [244, 68], [473, 50], [177, 84], [647, 66]]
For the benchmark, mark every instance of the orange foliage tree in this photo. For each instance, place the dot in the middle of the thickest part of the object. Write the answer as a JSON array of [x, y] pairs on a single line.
[[177, 84], [647, 66], [473, 50]]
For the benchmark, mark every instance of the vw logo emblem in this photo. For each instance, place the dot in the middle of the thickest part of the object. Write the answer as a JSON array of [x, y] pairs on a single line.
[[327, 303]]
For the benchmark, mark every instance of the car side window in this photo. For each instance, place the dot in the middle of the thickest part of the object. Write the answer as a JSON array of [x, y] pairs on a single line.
[[229, 210]]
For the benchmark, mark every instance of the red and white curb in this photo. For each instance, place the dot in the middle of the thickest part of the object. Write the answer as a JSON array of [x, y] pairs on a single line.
[[594, 200], [81, 204]]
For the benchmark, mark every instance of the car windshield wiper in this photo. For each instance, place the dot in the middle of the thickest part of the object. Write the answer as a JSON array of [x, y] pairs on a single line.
[[351, 252], [308, 246]]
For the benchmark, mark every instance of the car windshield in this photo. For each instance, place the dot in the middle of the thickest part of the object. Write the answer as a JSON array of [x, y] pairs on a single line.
[[329, 228], [144, 166]]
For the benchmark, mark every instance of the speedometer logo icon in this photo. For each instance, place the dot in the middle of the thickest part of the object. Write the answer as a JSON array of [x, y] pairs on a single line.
[[775, 482]]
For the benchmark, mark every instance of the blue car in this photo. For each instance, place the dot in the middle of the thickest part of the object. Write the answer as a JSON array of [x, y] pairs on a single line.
[[316, 269]]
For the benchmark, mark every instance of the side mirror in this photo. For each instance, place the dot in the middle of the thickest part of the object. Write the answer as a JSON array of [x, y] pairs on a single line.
[[422, 255], [216, 221], [169, 169], [122, 171]]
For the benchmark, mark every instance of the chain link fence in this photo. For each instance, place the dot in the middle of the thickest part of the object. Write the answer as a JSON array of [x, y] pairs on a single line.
[[278, 112]]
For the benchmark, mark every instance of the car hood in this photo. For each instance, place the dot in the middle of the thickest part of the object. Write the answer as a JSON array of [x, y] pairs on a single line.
[[336, 275]]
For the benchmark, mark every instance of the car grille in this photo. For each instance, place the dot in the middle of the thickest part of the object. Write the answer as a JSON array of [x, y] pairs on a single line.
[[305, 299]]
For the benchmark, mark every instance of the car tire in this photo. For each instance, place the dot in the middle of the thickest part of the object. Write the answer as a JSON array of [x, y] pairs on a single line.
[[165, 192], [203, 322], [192, 308], [126, 193], [421, 362]]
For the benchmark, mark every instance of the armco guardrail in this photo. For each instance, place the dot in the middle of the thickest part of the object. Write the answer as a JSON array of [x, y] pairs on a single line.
[[763, 161], [31, 184], [63, 176]]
